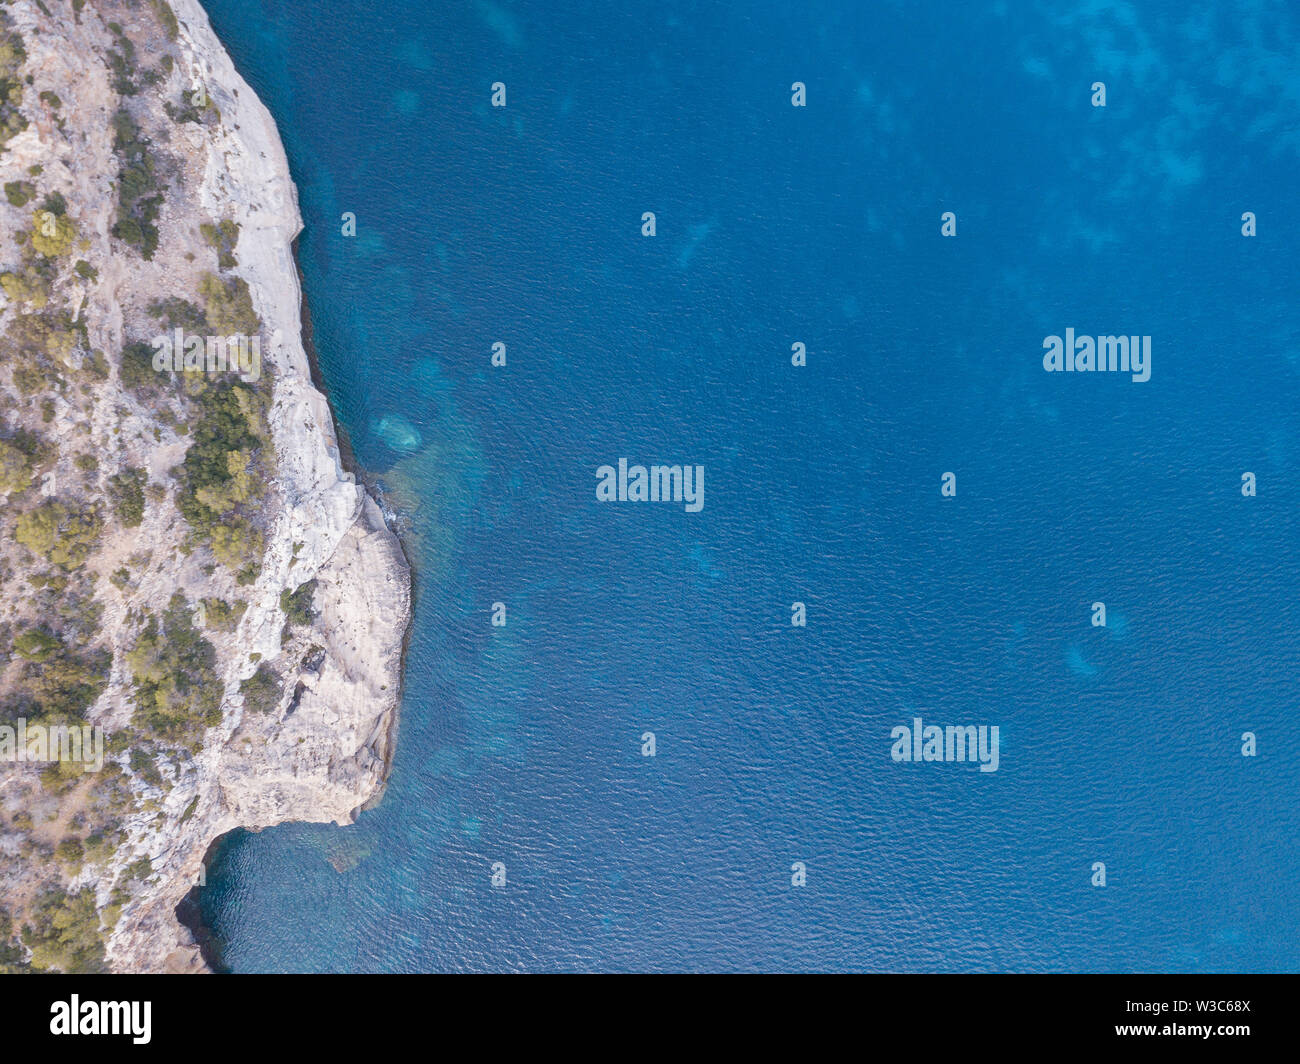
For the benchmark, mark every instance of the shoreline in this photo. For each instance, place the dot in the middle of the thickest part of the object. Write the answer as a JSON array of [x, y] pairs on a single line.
[[349, 463], [347, 456], [331, 754], [189, 911]]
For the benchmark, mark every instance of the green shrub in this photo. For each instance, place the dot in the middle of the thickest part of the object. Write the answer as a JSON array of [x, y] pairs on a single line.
[[228, 305], [122, 62], [139, 197], [58, 683], [219, 480], [11, 956], [126, 493], [223, 237], [145, 765], [297, 604], [65, 935], [176, 687], [59, 335], [36, 645], [12, 57], [17, 469], [63, 536], [52, 234], [51, 335], [26, 287], [20, 193], [238, 544], [262, 690], [177, 313], [70, 851], [95, 365], [140, 869], [137, 370], [222, 616]]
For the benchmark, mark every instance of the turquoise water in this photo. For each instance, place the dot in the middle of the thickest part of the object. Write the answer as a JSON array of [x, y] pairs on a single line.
[[522, 745]]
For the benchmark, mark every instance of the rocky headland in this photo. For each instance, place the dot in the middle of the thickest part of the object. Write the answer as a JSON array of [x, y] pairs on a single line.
[[187, 564]]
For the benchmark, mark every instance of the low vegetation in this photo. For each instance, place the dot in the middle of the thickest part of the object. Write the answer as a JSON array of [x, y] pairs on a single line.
[[297, 604], [126, 493], [57, 682], [12, 57], [177, 692], [139, 194], [223, 237], [64, 935], [61, 534], [262, 690]]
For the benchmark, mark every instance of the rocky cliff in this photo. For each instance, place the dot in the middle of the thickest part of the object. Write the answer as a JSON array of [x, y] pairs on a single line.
[[249, 614]]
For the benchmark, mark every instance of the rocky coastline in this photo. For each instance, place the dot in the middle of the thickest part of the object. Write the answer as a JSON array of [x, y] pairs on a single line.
[[331, 757], [323, 595]]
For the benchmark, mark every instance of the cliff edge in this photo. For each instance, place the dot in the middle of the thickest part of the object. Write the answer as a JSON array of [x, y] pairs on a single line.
[[236, 626]]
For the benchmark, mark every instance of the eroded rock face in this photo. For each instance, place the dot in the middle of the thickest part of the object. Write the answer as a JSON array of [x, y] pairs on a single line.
[[321, 762], [322, 751], [330, 756]]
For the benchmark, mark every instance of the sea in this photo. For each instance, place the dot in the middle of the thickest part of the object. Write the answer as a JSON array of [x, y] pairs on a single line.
[[819, 250]]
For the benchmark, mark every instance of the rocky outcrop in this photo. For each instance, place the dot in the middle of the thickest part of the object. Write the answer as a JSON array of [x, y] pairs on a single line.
[[324, 753], [188, 568]]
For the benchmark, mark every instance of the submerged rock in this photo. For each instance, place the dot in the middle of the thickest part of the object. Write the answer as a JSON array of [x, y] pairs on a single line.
[[398, 433]]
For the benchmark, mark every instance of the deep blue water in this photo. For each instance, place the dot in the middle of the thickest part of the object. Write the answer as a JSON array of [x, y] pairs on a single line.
[[820, 224]]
